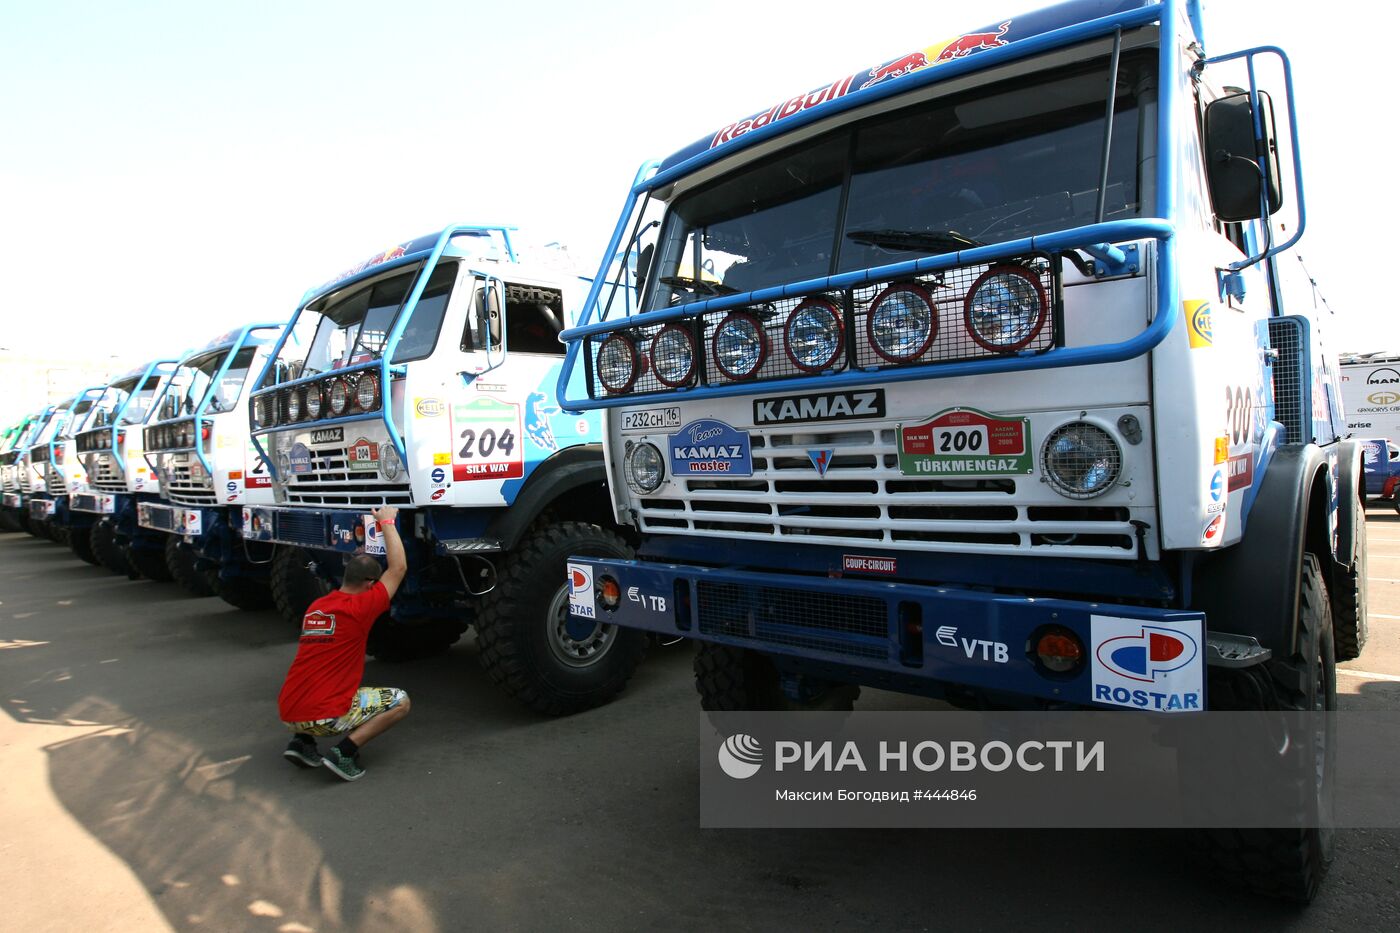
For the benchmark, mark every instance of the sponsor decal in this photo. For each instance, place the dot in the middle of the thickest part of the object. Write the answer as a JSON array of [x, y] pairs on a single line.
[[327, 435], [537, 429], [231, 486], [1241, 471], [1217, 486], [1383, 377], [861, 563], [1147, 665], [648, 419], [192, 522], [1214, 531], [973, 648], [709, 448], [647, 601], [974, 42], [429, 407], [300, 458], [581, 591], [363, 456], [439, 475], [442, 459], [497, 387], [438, 494], [235, 474], [318, 623], [965, 442], [821, 459], [827, 406], [1384, 398], [488, 434], [374, 541], [1222, 450], [1198, 324]]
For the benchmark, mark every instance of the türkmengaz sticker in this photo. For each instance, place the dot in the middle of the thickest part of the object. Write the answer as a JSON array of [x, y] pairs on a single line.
[[1147, 665], [710, 448], [966, 442]]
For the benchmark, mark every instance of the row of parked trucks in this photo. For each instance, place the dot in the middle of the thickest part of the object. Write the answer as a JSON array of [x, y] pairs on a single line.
[[997, 344]]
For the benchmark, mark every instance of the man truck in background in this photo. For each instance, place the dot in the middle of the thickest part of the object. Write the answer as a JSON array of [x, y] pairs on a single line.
[[424, 378], [197, 443], [1371, 394], [944, 376], [111, 448]]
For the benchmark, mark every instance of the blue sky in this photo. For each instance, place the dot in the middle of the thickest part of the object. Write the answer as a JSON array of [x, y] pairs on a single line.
[[169, 170]]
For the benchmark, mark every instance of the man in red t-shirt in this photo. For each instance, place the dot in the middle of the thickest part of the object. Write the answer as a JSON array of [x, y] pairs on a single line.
[[322, 694]]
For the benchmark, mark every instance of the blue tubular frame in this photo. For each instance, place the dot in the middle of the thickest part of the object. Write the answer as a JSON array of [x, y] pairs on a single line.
[[1095, 236], [121, 409], [72, 406], [391, 343]]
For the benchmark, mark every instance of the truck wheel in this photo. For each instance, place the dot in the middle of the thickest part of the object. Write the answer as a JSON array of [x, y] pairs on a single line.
[[106, 548], [148, 562], [527, 648], [23, 518], [1349, 604], [1288, 863], [294, 585], [246, 593], [9, 521], [393, 642], [60, 534], [181, 561], [80, 541], [730, 679]]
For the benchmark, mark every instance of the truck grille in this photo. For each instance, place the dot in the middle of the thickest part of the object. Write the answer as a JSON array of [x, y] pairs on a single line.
[[1292, 378], [107, 477], [163, 519], [54, 483], [855, 626], [182, 487], [300, 527], [331, 482], [865, 501]]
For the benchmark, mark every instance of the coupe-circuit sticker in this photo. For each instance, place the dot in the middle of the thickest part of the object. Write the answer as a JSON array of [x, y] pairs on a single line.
[[965, 442], [708, 448], [1147, 665], [488, 433]]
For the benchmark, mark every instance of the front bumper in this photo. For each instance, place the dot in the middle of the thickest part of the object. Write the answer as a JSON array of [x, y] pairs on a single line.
[[173, 519], [14, 500], [928, 639], [98, 503], [42, 507], [345, 530]]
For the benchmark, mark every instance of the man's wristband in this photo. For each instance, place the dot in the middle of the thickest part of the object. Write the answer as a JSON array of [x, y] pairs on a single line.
[[387, 523]]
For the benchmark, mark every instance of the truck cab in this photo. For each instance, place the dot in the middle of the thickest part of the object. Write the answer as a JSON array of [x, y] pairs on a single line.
[[112, 451], [13, 515], [199, 449], [55, 472], [947, 374], [424, 378]]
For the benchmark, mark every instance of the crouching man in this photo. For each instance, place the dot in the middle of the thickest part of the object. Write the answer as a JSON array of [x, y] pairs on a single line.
[[322, 694]]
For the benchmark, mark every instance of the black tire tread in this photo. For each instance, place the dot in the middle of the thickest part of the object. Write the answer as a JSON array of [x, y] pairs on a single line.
[[289, 582], [731, 679], [80, 543], [183, 571]]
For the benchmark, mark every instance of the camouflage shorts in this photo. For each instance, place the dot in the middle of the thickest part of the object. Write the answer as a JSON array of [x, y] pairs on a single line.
[[368, 703]]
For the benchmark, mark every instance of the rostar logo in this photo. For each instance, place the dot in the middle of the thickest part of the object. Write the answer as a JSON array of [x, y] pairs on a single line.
[[1147, 655], [740, 756]]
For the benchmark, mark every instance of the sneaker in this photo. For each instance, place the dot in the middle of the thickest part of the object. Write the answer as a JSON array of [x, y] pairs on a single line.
[[302, 754], [343, 767]]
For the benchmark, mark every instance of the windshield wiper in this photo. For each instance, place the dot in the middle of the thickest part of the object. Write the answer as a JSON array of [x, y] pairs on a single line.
[[928, 241], [698, 286]]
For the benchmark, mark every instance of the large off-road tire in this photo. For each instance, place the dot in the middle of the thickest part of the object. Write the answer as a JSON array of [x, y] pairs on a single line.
[[731, 679], [1287, 863], [242, 592], [23, 517], [60, 534], [526, 647], [107, 549], [36, 527], [80, 541], [148, 562], [393, 642], [294, 585], [9, 520], [1349, 601], [181, 561]]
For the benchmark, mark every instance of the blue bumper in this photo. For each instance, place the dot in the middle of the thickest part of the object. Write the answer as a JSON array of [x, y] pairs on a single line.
[[911, 637], [340, 530]]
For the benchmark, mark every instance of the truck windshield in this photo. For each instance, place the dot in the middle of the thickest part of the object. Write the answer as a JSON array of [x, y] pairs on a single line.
[[353, 327], [198, 374], [1018, 158], [119, 392]]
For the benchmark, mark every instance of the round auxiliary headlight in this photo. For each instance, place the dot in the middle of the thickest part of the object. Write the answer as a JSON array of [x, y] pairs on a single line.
[[294, 402], [812, 335], [618, 363], [315, 401], [673, 355], [367, 392], [389, 462], [901, 323], [340, 397], [644, 469], [1081, 460], [284, 465], [1004, 309], [740, 345], [262, 411]]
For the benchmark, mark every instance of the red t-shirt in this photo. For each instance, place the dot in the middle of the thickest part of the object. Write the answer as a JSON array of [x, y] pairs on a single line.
[[330, 659]]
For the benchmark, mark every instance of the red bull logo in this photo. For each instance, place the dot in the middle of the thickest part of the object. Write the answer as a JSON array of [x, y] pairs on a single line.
[[896, 69], [974, 42], [789, 107]]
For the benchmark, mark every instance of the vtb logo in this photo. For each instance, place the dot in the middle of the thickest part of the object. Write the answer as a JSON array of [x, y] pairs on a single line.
[[1147, 655]]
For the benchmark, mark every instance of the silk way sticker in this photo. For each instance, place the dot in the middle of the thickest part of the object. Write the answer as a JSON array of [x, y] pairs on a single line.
[[709, 448], [965, 442]]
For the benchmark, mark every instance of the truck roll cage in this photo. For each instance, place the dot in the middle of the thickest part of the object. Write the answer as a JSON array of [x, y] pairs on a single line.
[[152, 369]]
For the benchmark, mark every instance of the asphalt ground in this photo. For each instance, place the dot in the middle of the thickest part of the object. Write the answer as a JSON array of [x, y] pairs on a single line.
[[142, 785]]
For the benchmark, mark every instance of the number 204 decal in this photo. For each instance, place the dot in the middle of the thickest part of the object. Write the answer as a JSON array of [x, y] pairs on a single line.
[[487, 433]]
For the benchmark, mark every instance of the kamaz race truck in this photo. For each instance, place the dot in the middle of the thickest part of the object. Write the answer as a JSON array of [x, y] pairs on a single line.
[[979, 374], [118, 475], [55, 472], [424, 378], [13, 515], [199, 448]]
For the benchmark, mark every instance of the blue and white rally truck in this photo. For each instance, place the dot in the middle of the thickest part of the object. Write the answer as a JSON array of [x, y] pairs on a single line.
[[111, 448], [198, 445], [56, 473], [980, 374], [13, 515], [424, 378]]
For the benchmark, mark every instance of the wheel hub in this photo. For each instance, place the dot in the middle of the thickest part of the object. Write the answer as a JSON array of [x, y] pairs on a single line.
[[573, 641]]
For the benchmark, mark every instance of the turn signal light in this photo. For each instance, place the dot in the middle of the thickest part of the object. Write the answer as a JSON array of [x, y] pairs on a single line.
[[1060, 650], [610, 592]]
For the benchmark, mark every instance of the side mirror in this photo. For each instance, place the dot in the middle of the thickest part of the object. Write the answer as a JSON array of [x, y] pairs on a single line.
[[1233, 157]]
